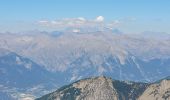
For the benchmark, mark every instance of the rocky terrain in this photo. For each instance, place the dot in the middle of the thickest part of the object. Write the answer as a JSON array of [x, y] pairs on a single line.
[[103, 88], [157, 91]]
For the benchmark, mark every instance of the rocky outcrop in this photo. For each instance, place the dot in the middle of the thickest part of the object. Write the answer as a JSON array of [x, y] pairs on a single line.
[[157, 91]]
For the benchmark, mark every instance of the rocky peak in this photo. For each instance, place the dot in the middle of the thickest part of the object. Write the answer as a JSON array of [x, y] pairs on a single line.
[[103, 88], [97, 88]]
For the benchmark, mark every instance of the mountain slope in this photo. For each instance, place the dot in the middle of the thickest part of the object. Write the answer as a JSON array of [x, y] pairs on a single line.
[[98, 88], [80, 55], [103, 88], [157, 91], [21, 76]]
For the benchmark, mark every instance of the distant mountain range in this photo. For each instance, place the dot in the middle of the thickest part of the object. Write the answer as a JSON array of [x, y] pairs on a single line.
[[103, 88], [79, 55], [34, 63]]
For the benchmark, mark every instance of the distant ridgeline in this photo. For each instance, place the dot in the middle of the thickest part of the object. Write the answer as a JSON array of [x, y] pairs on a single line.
[[34, 63]]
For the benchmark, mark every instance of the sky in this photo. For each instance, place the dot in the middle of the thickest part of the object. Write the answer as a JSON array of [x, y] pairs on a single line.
[[133, 15]]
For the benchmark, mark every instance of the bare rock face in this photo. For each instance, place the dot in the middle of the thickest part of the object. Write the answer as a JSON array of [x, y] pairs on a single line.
[[98, 88], [103, 88], [157, 91]]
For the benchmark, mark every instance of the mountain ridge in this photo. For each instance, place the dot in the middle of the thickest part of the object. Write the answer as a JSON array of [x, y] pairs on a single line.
[[104, 88]]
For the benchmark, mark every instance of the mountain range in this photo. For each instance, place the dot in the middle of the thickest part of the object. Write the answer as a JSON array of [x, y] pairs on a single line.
[[34, 63]]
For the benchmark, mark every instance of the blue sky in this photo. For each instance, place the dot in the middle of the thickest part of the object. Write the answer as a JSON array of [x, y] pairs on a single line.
[[148, 15]]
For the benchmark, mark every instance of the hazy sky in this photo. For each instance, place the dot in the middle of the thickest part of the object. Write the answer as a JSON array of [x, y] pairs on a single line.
[[133, 15]]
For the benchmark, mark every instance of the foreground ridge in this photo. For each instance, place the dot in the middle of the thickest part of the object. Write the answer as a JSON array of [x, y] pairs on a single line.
[[103, 88]]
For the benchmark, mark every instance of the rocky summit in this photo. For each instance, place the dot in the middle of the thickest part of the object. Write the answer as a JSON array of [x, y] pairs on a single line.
[[103, 88]]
